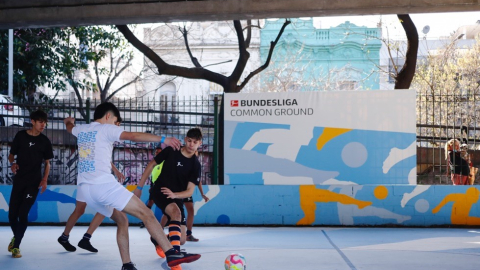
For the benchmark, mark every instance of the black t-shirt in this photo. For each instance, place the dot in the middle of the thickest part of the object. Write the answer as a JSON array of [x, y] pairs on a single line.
[[177, 170], [458, 165], [31, 151]]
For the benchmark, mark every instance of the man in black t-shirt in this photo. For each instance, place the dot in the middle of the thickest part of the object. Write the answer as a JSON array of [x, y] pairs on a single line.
[[177, 181], [31, 148]]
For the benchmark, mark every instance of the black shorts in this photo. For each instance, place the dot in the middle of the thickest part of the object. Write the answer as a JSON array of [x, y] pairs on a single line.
[[189, 199], [161, 201]]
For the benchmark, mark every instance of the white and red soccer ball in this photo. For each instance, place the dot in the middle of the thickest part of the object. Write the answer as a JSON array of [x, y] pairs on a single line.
[[235, 261]]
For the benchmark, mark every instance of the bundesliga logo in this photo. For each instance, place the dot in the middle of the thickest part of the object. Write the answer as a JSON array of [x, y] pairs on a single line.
[[263, 103]]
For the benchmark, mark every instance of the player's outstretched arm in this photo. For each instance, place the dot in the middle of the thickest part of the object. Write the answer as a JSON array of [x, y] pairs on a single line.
[[69, 123], [200, 188], [147, 137], [117, 173], [180, 195], [43, 183], [146, 173]]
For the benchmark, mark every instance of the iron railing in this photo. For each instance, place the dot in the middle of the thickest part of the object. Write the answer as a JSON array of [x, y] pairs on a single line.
[[169, 116], [439, 118]]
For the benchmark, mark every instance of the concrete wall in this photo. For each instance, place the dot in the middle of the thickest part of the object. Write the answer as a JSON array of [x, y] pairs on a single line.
[[40, 13], [356, 205]]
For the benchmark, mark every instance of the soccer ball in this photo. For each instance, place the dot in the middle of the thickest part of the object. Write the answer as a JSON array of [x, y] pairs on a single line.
[[235, 261]]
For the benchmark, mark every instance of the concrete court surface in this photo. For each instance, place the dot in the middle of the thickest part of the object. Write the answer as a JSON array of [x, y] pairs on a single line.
[[342, 248]]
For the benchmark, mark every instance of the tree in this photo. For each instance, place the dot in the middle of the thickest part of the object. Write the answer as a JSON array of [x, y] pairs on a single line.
[[229, 83], [60, 57], [35, 61], [448, 88], [95, 45], [404, 76]]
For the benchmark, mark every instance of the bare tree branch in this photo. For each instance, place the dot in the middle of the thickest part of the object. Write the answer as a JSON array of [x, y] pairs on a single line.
[[167, 69], [243, 57], [72, 83], [249, 34], [267, 62], [185, 38], [122, 87], [97, 75]]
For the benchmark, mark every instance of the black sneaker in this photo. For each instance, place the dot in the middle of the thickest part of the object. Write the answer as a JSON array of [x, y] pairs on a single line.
[[181, 257], [85, 244], [66, 245], [153, 241], [192, 238], [129, 266]]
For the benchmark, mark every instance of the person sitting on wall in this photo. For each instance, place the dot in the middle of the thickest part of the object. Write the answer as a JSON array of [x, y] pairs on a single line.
[[458, 166]]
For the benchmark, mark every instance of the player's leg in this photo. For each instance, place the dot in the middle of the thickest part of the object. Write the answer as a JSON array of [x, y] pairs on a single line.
[[29, 197], [149, 204], [137, 208], [164, 221], [72, 220], [16, 198], [183, 222], [174, 228], [94, 224], [190, 218], [122, 235]]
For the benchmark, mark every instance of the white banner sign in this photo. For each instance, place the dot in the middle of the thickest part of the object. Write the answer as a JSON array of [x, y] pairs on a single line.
[[362, 137]]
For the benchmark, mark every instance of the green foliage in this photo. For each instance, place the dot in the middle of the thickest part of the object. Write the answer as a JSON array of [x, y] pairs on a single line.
[[51, 57]]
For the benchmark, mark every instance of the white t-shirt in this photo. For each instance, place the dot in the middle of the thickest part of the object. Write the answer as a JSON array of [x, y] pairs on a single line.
[[95, 146]]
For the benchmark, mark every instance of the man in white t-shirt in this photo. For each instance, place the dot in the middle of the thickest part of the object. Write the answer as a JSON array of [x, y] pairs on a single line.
[[99, 189]]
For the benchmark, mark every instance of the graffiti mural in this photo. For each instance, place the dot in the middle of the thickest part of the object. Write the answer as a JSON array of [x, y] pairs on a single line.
[[130, 158]]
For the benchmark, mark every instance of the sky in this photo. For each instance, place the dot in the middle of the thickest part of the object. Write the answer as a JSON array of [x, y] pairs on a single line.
[[441, 24]]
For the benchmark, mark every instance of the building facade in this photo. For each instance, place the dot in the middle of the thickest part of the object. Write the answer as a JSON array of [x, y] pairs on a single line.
[[307, 58]]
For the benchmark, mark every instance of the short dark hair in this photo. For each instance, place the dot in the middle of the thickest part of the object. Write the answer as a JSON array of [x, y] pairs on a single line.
[[104, 108], [195, 133], [39, 115]]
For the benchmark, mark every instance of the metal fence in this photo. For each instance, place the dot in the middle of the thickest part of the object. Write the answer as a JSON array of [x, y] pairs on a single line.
[[170, 116], [439, 118]]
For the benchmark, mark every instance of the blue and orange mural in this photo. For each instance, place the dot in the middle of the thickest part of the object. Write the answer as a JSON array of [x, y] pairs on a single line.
[[314, 138], [350, 205], [303, 159]]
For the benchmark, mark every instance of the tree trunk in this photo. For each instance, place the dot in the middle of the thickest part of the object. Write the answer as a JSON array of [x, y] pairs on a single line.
[[405, 76]]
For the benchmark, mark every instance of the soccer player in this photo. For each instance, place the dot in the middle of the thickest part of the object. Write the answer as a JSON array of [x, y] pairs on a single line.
[[188, 202], [103, 193], [177, 181], [79, 210], [155, 173], [31, 148]]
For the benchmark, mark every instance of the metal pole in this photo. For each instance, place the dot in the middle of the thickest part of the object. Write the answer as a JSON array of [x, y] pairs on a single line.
[[10, 63], [88, 110], [215, 141]]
